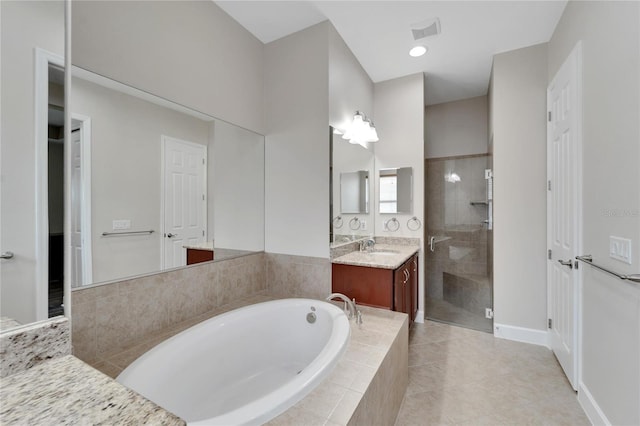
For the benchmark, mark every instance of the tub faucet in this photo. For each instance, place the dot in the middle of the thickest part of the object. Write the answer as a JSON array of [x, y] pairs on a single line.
[[367, 245], [351, 304]]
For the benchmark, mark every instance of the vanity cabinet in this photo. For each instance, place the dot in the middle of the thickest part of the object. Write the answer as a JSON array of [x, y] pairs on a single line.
[[393, 289], [198, 256]]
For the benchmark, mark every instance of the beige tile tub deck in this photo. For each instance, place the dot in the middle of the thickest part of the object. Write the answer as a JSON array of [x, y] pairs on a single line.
[[358, 390]]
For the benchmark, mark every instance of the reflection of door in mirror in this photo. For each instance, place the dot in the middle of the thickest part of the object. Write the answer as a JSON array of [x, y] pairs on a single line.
[[32, 36], [80, 193], [185, 204]]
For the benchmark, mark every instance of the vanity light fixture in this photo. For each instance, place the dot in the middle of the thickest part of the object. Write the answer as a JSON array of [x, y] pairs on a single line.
[[361, 130]]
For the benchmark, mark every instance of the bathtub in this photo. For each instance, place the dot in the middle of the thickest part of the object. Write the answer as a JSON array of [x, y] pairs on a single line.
[[245, 366]]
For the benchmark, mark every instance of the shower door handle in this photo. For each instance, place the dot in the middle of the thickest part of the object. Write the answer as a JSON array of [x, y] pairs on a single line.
[[432, 241]]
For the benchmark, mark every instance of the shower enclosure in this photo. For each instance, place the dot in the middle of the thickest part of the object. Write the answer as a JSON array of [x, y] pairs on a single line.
[[459, 241]]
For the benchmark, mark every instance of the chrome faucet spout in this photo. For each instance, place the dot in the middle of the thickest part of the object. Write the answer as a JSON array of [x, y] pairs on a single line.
[[351, 304], [367, 245]]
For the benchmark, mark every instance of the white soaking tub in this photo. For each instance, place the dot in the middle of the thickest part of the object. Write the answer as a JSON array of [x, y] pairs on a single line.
[[245, 366]]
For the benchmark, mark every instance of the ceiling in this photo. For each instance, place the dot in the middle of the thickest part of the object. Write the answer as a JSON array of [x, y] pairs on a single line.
[[458, 61]]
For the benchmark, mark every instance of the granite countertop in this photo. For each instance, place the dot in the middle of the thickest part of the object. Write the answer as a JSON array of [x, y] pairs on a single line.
[[392, 256], [207, 245], [65, 390], [6, 323], [220, 253]]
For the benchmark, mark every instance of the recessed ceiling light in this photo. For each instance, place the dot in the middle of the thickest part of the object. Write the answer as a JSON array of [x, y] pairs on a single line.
[[418, 51]]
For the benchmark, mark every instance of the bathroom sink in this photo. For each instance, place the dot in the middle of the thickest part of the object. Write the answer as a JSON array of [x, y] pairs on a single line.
[[384, 252]]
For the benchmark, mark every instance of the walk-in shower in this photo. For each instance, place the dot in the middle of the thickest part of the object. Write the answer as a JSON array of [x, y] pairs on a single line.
[[459, 241]]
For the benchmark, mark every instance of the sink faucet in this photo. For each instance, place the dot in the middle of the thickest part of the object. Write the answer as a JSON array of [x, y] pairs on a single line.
[[353, 309], [367, 245]]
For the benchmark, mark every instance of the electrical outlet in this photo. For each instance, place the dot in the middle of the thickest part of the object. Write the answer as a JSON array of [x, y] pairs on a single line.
[[121, 224], [620, 249]]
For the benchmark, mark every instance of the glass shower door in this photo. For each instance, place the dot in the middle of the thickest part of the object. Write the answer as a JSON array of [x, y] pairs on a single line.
[[459, 237]]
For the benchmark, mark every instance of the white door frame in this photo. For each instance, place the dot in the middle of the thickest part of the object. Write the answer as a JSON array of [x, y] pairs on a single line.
[[574, 60], [42, 61], [163, 188], [85, 209]]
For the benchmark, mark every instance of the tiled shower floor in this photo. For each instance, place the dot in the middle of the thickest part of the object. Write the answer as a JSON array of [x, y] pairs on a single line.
[[443, 311]]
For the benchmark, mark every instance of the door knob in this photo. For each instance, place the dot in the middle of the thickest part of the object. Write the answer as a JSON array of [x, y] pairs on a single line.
[[568, 263], [170, 235], [6, 255]]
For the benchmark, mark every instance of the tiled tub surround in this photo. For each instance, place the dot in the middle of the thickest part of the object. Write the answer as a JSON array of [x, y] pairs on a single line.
[[365, 388], [298, 276], [109, 319], [27, 346], [65, 390]]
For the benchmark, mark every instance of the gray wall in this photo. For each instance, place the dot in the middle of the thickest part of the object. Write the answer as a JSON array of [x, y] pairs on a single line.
[[611, 198], [297, 143], [399, 112], [190, 52], [519, 163], [236, 187], [456, 128]]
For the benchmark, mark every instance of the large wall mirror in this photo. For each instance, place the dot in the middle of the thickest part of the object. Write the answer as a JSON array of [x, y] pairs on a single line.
[[354, 192], [32, 119], [352, 189], [156, 177], [122, 164]]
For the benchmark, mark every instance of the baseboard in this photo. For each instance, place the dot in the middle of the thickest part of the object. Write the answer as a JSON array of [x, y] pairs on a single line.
[[521, 334], [591, 407], [419, 317]]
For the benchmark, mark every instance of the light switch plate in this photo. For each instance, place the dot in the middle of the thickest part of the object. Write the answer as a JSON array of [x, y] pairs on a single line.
[[121, 224], [620, 249]]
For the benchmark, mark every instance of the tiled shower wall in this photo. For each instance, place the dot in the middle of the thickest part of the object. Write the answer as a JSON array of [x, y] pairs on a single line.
[[111, 318], [465, 251]]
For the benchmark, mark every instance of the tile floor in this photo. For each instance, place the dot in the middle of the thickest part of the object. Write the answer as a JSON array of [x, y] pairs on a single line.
[[459, 376]]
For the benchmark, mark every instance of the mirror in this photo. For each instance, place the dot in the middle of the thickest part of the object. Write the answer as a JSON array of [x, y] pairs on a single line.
[[396, 189], [32, 59], [354, 192], [154, 177], [351, 189]]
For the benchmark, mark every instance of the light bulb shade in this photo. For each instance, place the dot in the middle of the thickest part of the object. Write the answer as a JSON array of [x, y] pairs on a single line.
[[371, 135], [361, 130]]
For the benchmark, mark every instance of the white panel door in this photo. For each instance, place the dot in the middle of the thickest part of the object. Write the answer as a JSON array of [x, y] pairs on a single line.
[[77, 275], [80, 194], [184, 199], [563, 213]]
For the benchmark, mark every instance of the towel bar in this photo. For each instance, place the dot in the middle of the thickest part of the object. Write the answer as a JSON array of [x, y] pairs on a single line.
[[588, 259]]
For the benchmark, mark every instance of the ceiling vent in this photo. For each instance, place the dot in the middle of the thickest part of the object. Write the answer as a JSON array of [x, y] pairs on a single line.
[[425, 29]]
